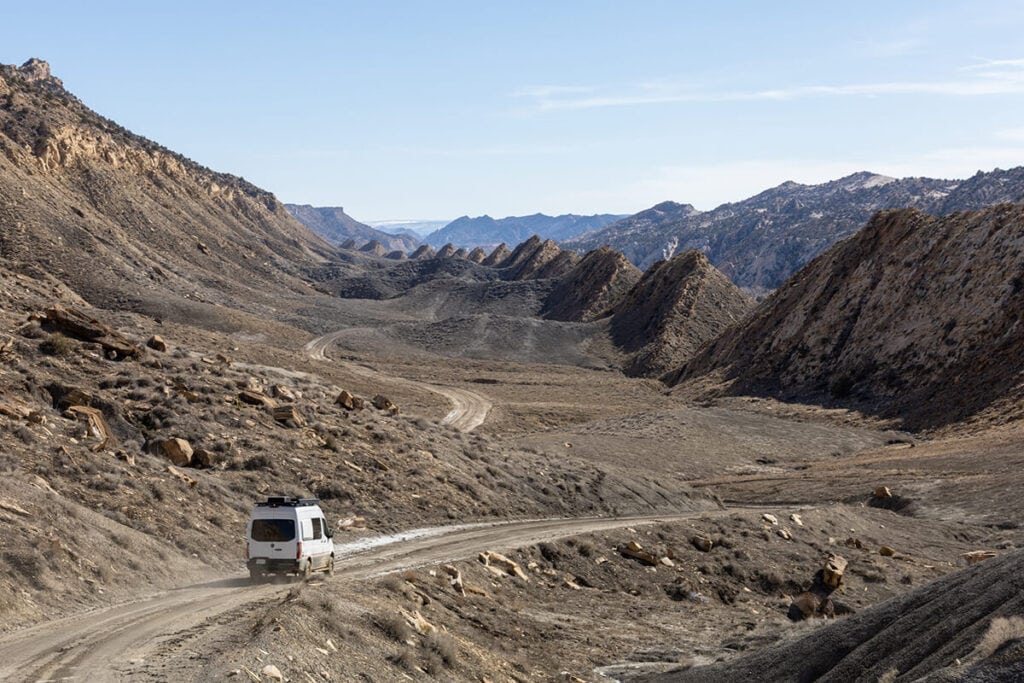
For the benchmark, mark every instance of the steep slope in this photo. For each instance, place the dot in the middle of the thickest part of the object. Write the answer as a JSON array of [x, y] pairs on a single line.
[[535, 260], [677, 306], [915, 315], [128, 223], [484, 231], [336, 226], [593, 285], [934, 630], [761, 241]]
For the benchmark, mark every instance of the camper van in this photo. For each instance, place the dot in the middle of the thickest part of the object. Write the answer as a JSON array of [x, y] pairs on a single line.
[[289, 536]]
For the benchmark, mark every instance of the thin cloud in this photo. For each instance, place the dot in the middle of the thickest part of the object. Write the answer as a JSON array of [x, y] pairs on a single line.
[[993, 77]]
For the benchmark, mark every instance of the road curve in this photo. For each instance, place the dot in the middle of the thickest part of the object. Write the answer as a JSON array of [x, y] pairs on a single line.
[[132, 640], [469, 409]]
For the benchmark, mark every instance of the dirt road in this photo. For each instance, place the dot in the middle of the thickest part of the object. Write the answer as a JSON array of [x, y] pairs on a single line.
[[469, 408], [131, 640]]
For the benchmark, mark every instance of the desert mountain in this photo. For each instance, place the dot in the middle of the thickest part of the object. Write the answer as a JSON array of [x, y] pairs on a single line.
[[598, 281], [759, 242], [677, 306], [534, 260], [336, 226], [126, 222], [484, 231], [417, 228], [914, 315]]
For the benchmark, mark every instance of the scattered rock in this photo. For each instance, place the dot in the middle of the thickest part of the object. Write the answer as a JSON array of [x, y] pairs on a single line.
[[205, 458], [637, 552], [181, 475], [178, 451], [255, 398], [976, 556], [157, 343], [882, 492], [381, 402], [346, 400], [456, 578], [832, 573], [886, 551], [271, 671], [795, 518], [282, 393], [75, 323], [289, 416], [809, 604], [418, 622], [354, 522], [770, 518], [96, 425], [784, 533], [702, 543], [499, 561]]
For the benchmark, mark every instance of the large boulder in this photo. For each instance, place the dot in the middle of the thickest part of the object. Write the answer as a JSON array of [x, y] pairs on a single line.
[[178, 451]]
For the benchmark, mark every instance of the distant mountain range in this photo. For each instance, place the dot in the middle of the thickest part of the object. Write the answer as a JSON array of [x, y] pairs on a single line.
[[337, 227], [484, 231], [761, 241], [420, 228]]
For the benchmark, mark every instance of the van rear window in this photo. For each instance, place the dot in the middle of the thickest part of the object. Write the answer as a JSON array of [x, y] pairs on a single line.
[[271, 530]]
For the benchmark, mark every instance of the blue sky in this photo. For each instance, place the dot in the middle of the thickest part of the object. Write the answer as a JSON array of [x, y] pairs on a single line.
[[438, 109]]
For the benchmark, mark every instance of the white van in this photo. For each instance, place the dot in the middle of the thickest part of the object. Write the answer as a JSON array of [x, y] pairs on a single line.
[[289, 536]]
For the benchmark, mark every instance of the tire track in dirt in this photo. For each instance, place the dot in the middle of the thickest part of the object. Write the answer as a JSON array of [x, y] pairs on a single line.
[[469, 408], [131, 640]]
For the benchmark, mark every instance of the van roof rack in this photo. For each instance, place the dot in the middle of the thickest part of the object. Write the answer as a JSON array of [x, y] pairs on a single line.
[[287, 501]]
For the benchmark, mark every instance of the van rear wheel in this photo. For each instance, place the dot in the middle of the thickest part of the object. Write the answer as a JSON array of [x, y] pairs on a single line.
[[307, 569], [330, 567]]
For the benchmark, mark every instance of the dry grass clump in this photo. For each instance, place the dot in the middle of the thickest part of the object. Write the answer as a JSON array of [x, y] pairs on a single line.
[[1001, 631]]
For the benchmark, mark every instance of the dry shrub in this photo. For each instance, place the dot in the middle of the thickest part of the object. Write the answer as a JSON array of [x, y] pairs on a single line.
[[443, 645], [1000, 631], [57, 345], [405, 658], [396, 627], [889, 676]]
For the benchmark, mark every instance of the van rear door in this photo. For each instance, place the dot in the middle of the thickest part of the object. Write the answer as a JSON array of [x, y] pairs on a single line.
[[272, 538]]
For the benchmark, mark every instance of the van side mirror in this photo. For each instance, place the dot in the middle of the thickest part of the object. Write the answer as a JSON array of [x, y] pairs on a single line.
[[329, 533]]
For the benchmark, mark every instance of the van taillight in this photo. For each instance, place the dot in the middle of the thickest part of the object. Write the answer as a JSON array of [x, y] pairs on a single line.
[[298, 550]]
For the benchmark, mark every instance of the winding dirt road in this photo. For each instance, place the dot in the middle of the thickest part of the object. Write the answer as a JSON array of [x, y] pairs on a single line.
[[132, 641], [469, 409]]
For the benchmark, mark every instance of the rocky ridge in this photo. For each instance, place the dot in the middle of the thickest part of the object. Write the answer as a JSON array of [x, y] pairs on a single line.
[[336, 226], [484, 231], [675, 308], [126, 222], [759, 242], [915, 316]]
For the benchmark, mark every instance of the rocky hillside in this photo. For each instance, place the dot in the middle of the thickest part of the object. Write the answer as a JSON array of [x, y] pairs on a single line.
[[915, 315], [536, 260], [336, 226], [484, 231], [964, 627], [126, 222], [601, 279], [677, 306], [759, 242]]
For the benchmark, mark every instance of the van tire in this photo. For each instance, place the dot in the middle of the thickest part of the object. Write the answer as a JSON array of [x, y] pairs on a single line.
[[330, 566], [255, 576], [307, 569]]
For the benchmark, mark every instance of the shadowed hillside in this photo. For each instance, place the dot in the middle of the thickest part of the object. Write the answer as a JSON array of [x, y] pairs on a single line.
[[914, 315]]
